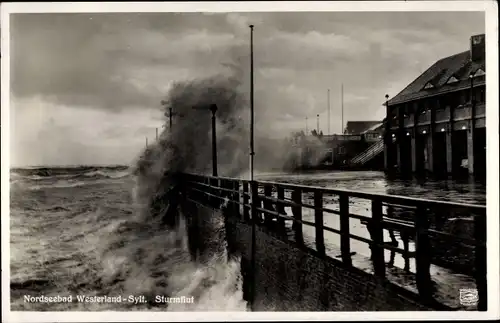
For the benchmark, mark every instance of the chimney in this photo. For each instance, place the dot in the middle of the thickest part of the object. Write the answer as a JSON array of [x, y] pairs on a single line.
[[477, 48]]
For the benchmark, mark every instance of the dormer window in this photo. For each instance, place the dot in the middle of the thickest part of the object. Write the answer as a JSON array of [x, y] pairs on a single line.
[[479, 72], [451, 80], [428, 86]]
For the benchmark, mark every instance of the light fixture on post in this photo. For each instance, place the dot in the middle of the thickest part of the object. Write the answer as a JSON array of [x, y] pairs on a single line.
[[472, 104], [471, 78], [387, 120]]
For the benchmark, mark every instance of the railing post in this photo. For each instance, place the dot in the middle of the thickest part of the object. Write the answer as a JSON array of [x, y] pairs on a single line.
[[297, 214], [222, 194], [377, 234], [481, 261], [318, 220], [204, 197], [236, 197], [345, 240], [422, 254], [246, 200], [268, 205], [209, 190], [280, 207], [213, 191]]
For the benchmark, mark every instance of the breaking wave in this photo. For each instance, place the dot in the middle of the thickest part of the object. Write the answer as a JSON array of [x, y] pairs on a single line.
[[186, 147], [111, 230]]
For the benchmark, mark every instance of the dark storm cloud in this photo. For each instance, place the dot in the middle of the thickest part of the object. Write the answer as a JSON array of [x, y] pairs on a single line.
[[65, 63]]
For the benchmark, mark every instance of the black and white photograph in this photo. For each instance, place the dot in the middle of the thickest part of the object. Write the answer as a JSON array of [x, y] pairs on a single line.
[[241, 159]]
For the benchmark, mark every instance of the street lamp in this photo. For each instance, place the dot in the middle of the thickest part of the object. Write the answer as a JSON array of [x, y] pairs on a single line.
[[472, 103], [471, 78], [170, 114], [388, 117], [213, 109]]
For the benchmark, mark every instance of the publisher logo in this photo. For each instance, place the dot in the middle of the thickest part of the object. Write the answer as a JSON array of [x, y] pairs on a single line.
[[468, 297]]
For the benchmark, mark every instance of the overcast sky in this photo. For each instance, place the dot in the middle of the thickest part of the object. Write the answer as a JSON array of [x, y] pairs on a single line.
[[86, 88]]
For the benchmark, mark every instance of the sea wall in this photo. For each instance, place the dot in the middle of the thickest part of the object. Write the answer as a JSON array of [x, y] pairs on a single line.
[[290, 279]]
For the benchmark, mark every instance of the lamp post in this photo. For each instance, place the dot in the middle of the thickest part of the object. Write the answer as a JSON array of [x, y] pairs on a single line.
[[170, 118], [213, 108], [317, 124], [472, 98], [328, 111], [388, 120], [170, 114], [306, 128], [387, 136]]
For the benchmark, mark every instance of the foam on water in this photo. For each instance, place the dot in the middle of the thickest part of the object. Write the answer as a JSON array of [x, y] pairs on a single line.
[[95, 240], [99, 230]]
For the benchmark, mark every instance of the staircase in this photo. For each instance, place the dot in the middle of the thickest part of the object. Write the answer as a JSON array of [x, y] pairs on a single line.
[[368, 154]]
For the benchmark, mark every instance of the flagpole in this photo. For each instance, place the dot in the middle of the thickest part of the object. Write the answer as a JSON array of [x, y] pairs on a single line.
[[252, 152], [253, 185], [342, 106], [329, 112]]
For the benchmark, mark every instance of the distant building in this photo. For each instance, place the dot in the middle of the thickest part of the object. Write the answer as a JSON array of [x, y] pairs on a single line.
[[375, 132], [437, 123], [358, 127]]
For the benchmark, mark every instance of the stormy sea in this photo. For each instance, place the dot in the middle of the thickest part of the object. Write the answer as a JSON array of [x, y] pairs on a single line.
[[79, 231], [98, 231]]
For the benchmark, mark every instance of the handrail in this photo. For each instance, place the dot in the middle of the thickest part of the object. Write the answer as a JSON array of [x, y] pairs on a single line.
[[374, 149], [270, 200], [392, 199], [364, 154], [371, 154]]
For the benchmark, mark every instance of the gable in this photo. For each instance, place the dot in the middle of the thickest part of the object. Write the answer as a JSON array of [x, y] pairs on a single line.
[[479, 72], [451, 80], [437, 75], [428, 85]]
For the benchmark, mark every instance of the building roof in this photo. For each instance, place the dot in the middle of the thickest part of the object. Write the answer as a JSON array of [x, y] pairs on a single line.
[[358, 127], [438, 78], [375, 127]]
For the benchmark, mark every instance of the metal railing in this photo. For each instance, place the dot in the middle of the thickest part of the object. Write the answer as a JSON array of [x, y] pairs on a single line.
[[369, 153], [417, 219]]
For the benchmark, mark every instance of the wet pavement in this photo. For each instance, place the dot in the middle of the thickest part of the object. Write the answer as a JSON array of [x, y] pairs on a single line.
[[448, 283]]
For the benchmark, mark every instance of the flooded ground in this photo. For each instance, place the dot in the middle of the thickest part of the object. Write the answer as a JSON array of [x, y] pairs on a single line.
[[462, 191], [448, 282]]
